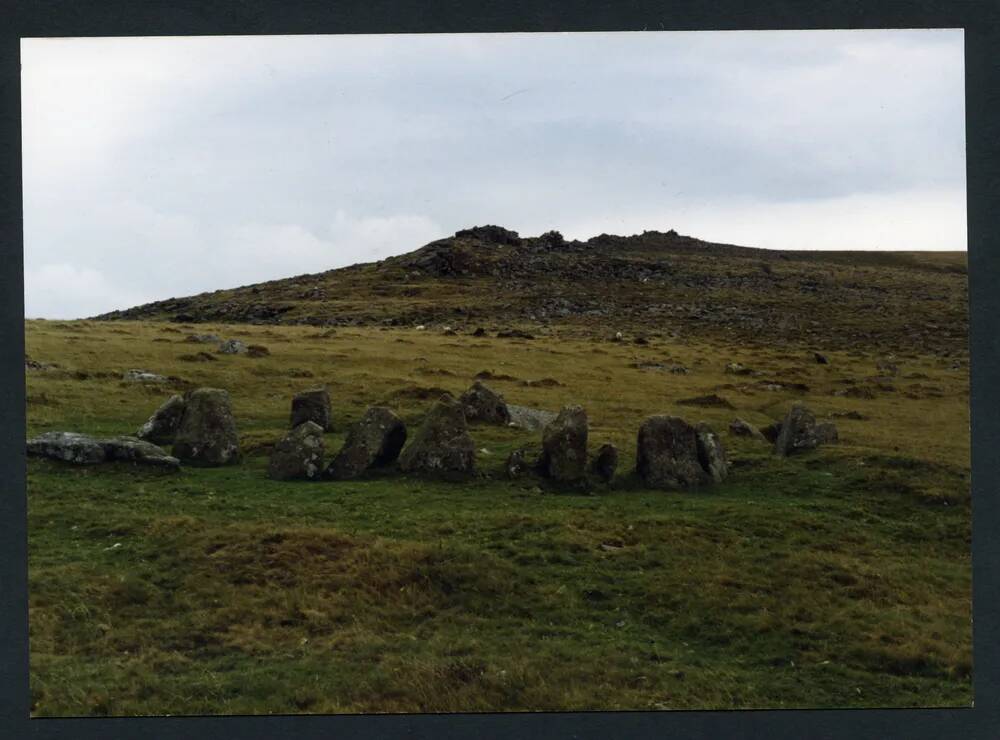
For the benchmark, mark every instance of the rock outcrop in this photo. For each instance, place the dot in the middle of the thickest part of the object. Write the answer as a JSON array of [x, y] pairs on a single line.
[[373, 442]]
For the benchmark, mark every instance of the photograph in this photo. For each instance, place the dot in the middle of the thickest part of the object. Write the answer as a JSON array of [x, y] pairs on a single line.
[[496, 372]]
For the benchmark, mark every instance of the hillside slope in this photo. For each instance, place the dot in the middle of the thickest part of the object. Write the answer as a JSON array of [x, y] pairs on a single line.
[[652, 283]]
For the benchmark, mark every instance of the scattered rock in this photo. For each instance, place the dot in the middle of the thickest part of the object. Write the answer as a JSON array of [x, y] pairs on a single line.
[[161, 428], [490, 234], [232, 347], [821, 358], [442, 445], [483, 404], [709, 400], [564, 445], [670, 452], [741, 428], [856, 391], [479, 332], [799, 432], [311, 405], [207, 434], [299, 454], [257, 350], [855, 415], [524, 417], [374, 441], [735, 368], [605, 463], [143, 376], [771, 431], [203, 338], [489, 375]]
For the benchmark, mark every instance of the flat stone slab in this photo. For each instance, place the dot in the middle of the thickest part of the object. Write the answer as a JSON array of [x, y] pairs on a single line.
[[525, 417], [83, 449]]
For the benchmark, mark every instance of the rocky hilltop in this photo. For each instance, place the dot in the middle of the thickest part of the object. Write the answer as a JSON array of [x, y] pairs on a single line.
[[651, 283]]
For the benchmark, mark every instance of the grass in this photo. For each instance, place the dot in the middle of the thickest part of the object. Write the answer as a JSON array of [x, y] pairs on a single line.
[[840, 578]]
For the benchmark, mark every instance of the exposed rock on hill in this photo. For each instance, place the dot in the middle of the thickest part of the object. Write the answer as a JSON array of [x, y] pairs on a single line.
[[892, 301]]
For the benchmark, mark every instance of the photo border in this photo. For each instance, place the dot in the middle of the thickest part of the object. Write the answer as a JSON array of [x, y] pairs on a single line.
[[980, 20]]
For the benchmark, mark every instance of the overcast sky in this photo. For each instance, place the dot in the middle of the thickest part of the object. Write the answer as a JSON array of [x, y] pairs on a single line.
[[165, 167]]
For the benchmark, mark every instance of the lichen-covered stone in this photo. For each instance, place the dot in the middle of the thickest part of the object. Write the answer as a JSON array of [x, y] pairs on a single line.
[[667, 454], [311, 405], [207, 433], [482, 403], [299, 454], [161, 428], [605, 462], [374, 441], [564, 446], [442, 445]]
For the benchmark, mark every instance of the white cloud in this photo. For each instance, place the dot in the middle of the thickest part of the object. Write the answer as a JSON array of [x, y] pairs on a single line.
[[65, 291]]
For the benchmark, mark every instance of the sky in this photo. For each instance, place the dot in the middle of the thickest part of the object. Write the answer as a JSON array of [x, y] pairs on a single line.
[[164, 167]]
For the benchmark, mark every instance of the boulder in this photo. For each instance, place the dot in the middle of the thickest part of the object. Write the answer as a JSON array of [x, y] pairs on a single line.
[[799, 432], [564, 445], [482, 403], [667, 454], [82, 449], [711, 453], [821, 358], [442, 445], [516, 465], [161, 428], [141, 452], [605, 463], [207, 434], [71, 447], [523, 417], [299, 455], [374, 441], [740, 428], [232, 347], [311, 405]]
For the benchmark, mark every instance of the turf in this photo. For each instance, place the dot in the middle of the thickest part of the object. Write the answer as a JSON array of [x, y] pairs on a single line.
[[838, 578]]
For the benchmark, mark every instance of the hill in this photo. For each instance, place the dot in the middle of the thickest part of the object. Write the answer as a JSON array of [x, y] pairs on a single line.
[[655, 282]]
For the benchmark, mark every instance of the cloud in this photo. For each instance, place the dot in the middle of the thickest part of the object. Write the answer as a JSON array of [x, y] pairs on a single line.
[[171, 166], [64, 291]]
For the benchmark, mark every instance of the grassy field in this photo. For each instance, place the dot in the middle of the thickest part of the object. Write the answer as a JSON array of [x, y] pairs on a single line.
[[839, 578]]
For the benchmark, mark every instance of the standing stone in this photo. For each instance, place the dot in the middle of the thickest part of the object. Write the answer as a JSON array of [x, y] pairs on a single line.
[[516, 465], [564, 445], [299, 455], [667, 454], [711, 453], [374, 441], [442, 445], [311, 405], [799, 432], [482, 403], [206, 434], [606, 462], [161, 428]]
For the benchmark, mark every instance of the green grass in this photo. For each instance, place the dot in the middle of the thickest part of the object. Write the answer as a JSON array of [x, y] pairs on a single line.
[[840, 578]]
